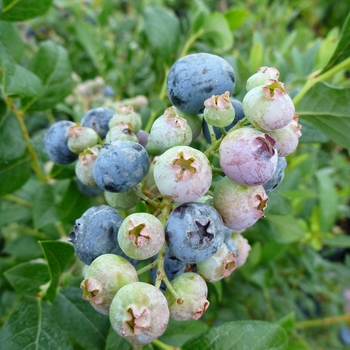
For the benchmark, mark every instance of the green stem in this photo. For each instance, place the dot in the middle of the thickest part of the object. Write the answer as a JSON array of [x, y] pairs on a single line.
[[163, 346], [33, 158], [314, 78], [10, 5], [60, 229], [147, 267], [322, 321], [145, 198], [17, 200], [190, 41]]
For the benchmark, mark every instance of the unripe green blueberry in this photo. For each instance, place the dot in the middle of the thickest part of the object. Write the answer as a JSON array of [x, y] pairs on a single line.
[[141, 236], [170, 130], [219, 265], [126, 114], [104, 277], [192, 291], [139, 313], [262, 77], [122, 200], [218, 110], [85, 164], [194, 121], [81, 137], [122, 132]]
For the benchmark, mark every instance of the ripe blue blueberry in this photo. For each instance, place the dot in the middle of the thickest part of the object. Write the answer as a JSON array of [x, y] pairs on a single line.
[[56, 143], [96, 233], [98, 119], [344, 335], [277, 177], [87, 190], [194, 78], [194, 232], [108, 91], [120, 166]]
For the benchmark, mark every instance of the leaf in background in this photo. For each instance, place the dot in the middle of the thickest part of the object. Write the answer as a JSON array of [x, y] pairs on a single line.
[[177, 333], [311, 133], [44, 210], [337, 241], [342, 52], [51, 64], [14, 174], [21, 10], [23, 248], [12, 143], [328, 200], [115, 341], [32, 325], [57, 254], [236, 17], [328, 108], [162, 29], [9, 34], [17, 80], [242, 335], [89, 37], [27, 278], [14, 213], [216, 25], [287, 323], [83, 324]]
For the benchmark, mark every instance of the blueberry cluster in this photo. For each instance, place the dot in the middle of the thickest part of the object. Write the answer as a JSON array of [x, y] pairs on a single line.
[[191, 230]]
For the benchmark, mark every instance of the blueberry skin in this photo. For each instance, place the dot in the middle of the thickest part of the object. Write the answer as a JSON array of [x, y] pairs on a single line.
[[239, 115], [194, 232], [120, 166], [194, 78], [277, 177], [56, 143], [98, 119], [96, 233], [344, 335], [87, 190], [108, 91]]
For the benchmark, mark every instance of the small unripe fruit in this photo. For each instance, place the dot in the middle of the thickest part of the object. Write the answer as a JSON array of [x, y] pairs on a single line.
[[263, 76], [218, 110]]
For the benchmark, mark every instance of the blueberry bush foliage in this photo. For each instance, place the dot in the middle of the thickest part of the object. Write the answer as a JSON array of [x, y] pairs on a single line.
[[61, 58]]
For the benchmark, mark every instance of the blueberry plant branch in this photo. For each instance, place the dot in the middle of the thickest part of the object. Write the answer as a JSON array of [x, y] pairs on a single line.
[[322, 321], [163, 346], [315, 78], [32, 154]]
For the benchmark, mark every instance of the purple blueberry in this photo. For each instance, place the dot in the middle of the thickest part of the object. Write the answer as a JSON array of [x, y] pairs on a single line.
[[120, 166], [98, 119], [194, 78], [96, 233], [56, 143], [194, 232]]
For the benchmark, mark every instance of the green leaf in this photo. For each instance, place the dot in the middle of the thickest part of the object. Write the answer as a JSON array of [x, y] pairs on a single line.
[[9, 34], [342, 51], [14, 213], [21, 10], [57, 254], [44, 210], [278, 204], [337, 241], [27, 278], [13, 175], [83, 324], [89, 38], [328, 108], [236, 17], [242, 335], [24, 248], [115, 341], [216, 25], [17, 80], [311, 133], [33, 326], [162, 29], [12, 143], [328, 200], [51, 64], [177, 333], [287, 323], [283, 228]]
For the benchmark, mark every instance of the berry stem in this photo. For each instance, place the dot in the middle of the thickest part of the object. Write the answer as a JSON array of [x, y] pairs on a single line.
[[190, 41], [315, 78], [32, 155], [163, 346], [145, 198], [17, 200], [322, 321], [147, 267]]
